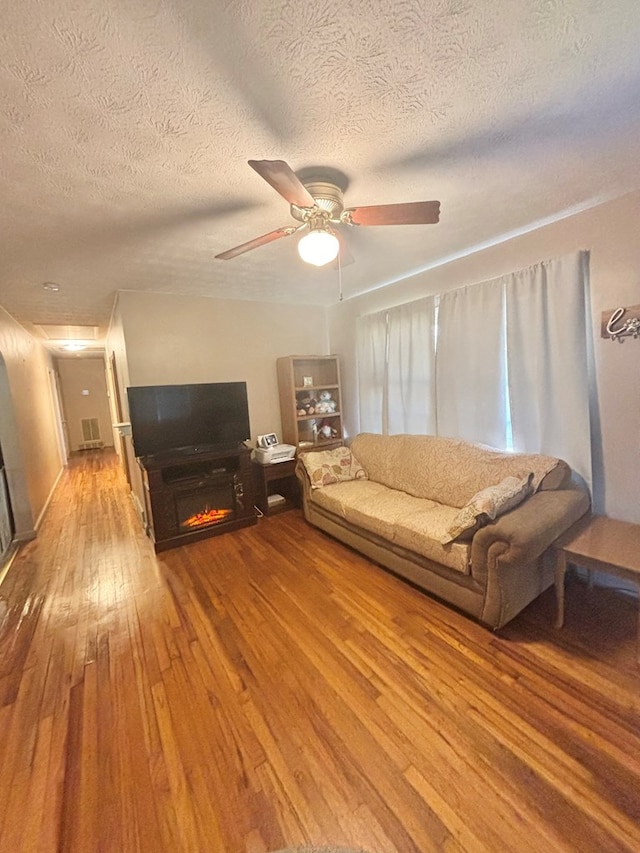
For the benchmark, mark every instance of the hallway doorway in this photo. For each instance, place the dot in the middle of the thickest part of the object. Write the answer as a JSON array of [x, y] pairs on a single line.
[[6, 515], [8, 436]]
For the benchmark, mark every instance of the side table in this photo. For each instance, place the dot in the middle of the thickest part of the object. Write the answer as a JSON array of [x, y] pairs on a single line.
[[599, 542], [276, 478]]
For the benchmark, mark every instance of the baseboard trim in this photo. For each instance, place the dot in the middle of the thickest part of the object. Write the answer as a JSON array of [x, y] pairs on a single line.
[[25, 536], [9, 558], [44, 509], [139, 508]]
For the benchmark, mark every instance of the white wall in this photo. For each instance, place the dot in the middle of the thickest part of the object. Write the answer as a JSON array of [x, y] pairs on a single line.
[[27, 425], [610, 233], [84, 395], [117, 358], [160, 339], [172, 340]]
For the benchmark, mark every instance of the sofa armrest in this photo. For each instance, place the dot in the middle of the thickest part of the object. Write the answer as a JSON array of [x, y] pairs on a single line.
[[301, 473], [305, 484], [519, 537]]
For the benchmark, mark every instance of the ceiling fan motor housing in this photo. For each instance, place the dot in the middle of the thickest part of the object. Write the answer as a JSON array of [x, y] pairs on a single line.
[[328, 198], [316, 201]]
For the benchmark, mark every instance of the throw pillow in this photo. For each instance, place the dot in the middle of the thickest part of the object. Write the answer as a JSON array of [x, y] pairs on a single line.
[[486, 505], [325, 467]]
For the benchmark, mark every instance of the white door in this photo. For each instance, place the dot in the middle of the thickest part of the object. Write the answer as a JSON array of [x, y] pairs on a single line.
[[61, 423]]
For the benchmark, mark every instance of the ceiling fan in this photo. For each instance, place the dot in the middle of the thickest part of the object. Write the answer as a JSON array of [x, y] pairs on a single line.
[[317, 204]]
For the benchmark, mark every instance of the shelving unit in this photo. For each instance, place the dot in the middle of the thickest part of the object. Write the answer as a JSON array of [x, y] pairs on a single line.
[[300, 376]]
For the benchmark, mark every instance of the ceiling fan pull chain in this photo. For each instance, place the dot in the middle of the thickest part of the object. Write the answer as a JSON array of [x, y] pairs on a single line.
[[340, 273]]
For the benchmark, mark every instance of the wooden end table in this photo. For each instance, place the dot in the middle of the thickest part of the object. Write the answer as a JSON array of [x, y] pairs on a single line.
[[599, 542], [280, 477]]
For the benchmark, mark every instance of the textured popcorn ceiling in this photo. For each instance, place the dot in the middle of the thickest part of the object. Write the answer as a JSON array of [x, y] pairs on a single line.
[[125, 128]]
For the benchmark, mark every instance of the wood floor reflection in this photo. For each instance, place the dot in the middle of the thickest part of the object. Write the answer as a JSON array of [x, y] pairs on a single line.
[[270, 687]]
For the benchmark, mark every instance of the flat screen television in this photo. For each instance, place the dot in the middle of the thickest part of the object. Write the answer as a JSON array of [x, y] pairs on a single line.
[[188, 418]]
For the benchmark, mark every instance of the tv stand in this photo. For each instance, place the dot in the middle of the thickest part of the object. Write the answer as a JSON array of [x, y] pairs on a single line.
[[192, 450], [189, 497]]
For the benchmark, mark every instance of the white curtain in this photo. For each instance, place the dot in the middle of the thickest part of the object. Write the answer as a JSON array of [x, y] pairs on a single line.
[[411, 368], [371, 334], [548, 356], [471, 364], [396, 369], [512, 364]]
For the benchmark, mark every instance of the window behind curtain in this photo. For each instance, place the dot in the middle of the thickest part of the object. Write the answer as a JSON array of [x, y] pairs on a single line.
[[471, 369], [411, 401], [371, 332], [396, 369], [549, 352], [511, 364]]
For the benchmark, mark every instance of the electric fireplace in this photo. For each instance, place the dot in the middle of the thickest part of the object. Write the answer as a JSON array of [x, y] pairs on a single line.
[[187, 499], [205, 505]]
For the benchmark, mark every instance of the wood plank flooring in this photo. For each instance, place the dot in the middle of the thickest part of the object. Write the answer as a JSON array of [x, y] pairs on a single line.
[[270, 687]]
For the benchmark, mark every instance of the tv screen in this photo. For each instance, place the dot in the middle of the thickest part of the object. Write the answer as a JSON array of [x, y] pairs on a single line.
[[188, 418]]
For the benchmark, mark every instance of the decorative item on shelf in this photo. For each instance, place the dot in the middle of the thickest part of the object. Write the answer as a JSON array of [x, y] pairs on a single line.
[[614, 327], [326, 431], [325, 405], [305, 404], [307, 381]]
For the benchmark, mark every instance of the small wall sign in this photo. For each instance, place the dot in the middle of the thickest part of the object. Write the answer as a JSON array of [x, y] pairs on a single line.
[[621, 323]]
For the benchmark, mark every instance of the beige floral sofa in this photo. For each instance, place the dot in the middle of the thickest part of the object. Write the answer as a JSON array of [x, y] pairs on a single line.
[[467, 523]]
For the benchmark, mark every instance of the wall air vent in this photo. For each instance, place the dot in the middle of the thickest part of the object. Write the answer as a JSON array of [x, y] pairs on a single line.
[[91, 439]]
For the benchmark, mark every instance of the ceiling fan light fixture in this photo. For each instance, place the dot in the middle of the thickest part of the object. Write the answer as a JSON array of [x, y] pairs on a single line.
[[317, 202], [319, 247]]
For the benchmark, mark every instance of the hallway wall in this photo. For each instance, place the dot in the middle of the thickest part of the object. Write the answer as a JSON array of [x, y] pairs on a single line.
[[27, 425], [84, 395]]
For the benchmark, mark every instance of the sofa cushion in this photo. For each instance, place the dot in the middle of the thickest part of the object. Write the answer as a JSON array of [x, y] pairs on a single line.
[[413, 523], [339, 496], [325, 467], [448, 470], [486, 505]]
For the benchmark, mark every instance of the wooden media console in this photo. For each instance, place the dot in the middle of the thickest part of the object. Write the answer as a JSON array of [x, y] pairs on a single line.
[[193, 496]]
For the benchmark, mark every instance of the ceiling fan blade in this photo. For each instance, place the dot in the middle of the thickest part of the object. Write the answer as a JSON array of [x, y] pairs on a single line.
[[411, 213], [258, 241], [284, 180]]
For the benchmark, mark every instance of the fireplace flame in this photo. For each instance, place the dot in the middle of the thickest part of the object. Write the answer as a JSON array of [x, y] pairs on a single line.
[[207, 516]]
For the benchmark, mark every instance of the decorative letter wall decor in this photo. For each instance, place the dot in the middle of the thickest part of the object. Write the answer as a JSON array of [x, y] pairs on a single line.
[[621, 323]]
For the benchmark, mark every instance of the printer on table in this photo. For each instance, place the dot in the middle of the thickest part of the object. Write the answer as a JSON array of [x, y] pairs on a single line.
[[269, 450]]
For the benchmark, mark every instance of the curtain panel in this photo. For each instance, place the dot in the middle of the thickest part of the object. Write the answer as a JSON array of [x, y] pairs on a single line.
[[411, 406], [471, 370], [548, 354], [371, 343], [396, 369], [512, 364]]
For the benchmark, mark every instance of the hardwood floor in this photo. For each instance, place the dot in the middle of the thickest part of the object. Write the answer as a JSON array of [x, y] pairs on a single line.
[[269, 687]]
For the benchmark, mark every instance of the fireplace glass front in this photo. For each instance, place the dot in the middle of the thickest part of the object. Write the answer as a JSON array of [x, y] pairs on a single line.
[[206, 506]]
